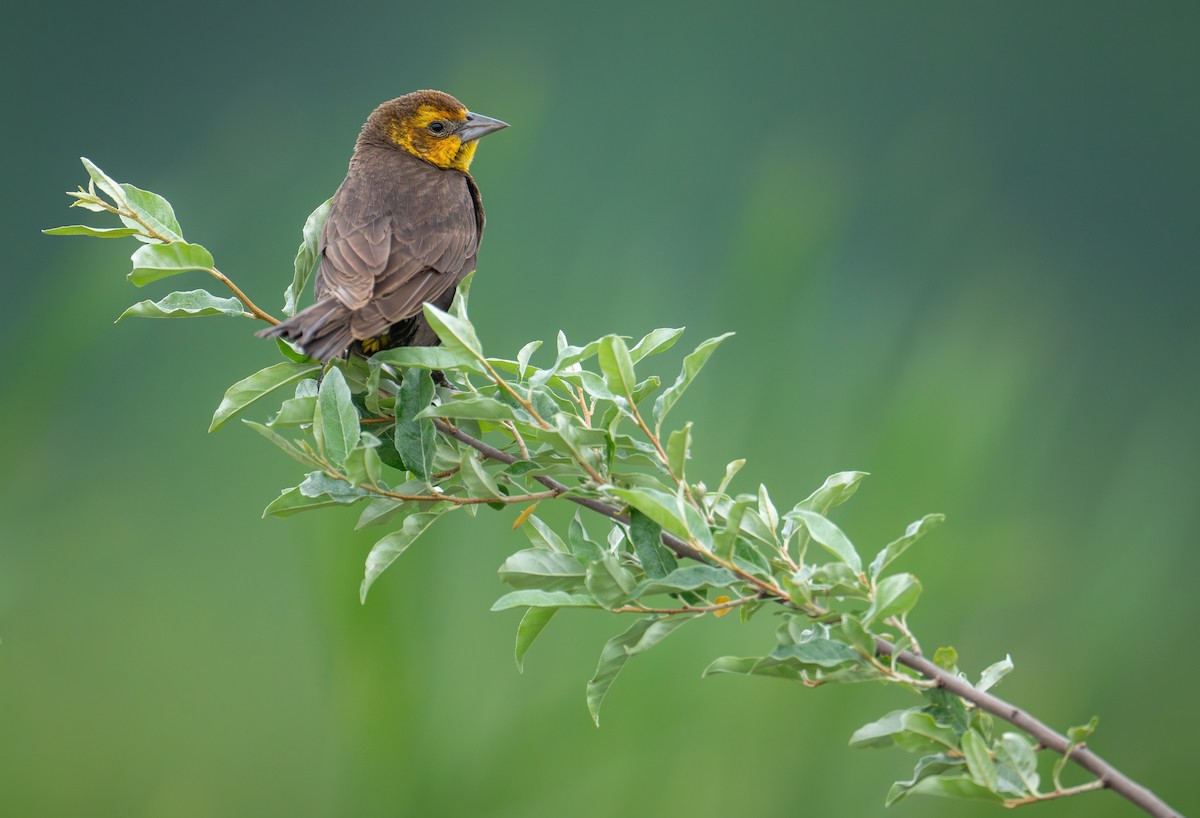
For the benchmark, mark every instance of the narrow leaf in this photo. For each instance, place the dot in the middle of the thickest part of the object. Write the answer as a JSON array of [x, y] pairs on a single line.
[[532, 624], [617, 365], [979, 761], [914, 532], [94, 232], [994, 673], [189, 304], [430, 358], [678, 447], [654, 342], [335, 423], [535, 598], [656, 559], [692, 365], [102, 180], [828, 536], [638, 638], [542, 569], [293, 501], [415, 440], [456, 333], [389, 549], [306, 257], [248, 390]]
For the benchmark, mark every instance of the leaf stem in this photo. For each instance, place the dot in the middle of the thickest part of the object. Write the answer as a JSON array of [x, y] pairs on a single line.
[[1013, 803]]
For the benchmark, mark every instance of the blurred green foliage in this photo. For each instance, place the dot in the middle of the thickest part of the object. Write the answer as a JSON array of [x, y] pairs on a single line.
[[957, 243]]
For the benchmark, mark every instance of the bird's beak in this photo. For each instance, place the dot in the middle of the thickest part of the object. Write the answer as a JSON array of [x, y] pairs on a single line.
[[479, 125]]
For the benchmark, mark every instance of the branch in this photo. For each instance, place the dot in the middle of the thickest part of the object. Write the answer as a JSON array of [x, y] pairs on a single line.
[[1107, 775]]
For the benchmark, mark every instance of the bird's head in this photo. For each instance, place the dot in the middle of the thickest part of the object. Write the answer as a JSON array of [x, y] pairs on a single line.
[[432, 126]]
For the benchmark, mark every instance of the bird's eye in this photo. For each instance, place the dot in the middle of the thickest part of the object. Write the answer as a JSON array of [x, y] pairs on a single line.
[[437, 127]]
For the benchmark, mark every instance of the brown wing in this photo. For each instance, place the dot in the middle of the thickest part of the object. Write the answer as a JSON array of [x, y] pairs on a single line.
[[396, 240]]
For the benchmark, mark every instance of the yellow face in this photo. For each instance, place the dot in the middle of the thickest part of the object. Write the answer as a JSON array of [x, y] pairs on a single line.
[[430, 134]]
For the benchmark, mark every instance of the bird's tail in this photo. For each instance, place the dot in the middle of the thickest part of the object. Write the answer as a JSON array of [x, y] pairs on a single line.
[[322, 330]]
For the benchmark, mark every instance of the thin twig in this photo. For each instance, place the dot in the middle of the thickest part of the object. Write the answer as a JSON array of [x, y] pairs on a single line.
[[241, 296], [1091, 786], [719, 606]]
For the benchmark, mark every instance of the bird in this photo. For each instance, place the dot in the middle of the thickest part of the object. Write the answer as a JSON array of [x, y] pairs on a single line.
[[403, 230]]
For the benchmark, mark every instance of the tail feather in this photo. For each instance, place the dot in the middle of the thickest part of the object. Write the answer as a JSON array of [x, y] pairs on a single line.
[[322, 330]]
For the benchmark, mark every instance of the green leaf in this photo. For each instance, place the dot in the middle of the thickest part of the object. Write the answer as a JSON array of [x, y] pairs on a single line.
[[726, 540], [319, 484], [820, 652], [914, 532], [456, 333], [654, 342], [609, 582], [248, 390], [617, 365], [679, 445], [389, 549], [94, 232], [415, 439], [439, 358], [102, 180], [665, 510], [335, 423], [979, 761], [691, 578], [470, 405], [189, 304], [732, 469], [543, 536], [539, 568], [837, 489], [858, 637], [532, 624], [894, 596], [523, 358], [154, 210], [306, 257], [462, 293], [927, 766], [568, 356], [582, 546], [535, 598], [638, 638], [909, 729], [154, 261], [382, 509], [295, 412], [291, 448], [949, 786], [475, 478], [293, 501], [1016, 765], [363, 465], [828, 536], [766, 509], [994, 673], [692, 365], [946, 658], [656, 559]]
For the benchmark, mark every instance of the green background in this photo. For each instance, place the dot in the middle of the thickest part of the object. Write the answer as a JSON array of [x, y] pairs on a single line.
[[957, 242]]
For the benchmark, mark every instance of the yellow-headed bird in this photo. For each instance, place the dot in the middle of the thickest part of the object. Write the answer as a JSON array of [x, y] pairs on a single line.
[[403, 229]]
